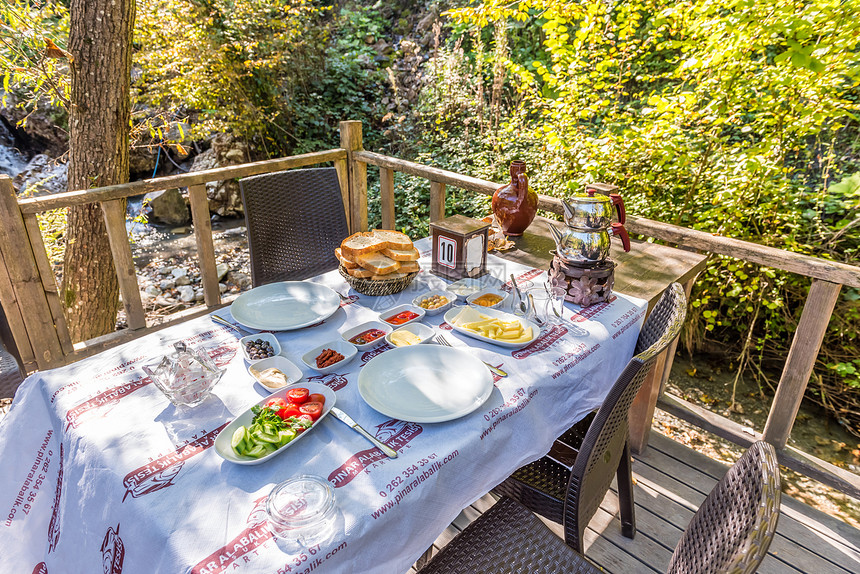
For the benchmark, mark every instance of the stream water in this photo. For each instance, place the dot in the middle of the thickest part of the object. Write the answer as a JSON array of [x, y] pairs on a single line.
[[11, 161]]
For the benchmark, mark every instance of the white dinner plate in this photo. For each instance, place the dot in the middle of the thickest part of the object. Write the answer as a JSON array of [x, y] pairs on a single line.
[[425, 383], [223, 441], [285, 306], [494, 313]]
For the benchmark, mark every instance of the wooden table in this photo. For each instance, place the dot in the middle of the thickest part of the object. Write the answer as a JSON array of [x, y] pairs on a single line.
[[644, 272]]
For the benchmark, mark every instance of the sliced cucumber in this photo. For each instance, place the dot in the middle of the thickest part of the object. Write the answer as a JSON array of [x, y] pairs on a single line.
[[285, 436], [256, 451], [238, 441]]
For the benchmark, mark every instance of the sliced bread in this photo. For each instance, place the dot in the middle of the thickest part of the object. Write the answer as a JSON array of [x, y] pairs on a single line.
[[347, 263], [378, 263], [401, 254], [409, 267], [361, 243], [393, 239]]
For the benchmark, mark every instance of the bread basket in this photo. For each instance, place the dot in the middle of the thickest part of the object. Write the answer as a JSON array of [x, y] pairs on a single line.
[[377, 287]]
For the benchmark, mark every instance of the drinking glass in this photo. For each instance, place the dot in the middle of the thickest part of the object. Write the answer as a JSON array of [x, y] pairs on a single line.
[[555, 302]]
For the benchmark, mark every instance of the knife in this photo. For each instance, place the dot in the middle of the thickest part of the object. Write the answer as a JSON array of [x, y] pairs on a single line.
[[346, 419], [226, 323]]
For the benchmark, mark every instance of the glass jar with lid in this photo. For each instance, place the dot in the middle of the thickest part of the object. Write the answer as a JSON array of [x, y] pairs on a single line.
[[302, 509]]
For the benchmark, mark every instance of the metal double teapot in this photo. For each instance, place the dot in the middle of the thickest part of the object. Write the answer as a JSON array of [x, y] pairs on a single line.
[[586, 239]]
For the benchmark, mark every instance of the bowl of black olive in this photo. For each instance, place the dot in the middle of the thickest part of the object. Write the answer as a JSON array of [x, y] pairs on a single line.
[[260, 346]]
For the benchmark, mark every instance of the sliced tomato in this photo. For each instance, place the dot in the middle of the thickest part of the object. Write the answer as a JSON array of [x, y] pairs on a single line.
[[289, 411], [313, 409], [298, 395], [317, 398]]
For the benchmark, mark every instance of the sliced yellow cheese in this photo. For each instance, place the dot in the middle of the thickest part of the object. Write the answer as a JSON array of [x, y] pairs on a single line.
[[404, 338]]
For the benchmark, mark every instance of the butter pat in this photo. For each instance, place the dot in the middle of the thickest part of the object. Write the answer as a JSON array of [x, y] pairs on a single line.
[[404, 338]]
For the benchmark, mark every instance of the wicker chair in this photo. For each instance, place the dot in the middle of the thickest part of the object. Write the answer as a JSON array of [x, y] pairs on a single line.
[[730, 533], [568, 484], [295, 220]]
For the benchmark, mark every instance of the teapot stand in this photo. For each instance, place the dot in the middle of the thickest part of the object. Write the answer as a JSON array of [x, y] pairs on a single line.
[[586, 285]]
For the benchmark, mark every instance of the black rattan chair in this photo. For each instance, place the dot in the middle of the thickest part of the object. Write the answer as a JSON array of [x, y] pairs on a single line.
[[295, 220], [568, 484], [729, 533]]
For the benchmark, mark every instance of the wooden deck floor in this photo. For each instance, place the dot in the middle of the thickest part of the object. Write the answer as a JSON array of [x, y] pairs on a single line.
[[671, 481]]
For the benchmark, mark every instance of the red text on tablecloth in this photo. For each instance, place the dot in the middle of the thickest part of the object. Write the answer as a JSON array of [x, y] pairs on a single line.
[[107, 398], [635, 320], [313, 557], [54, 525], [333, 381], [160, 472], [519, 399], [255, 534], [367, 355], [577, 357], [34, 480], [522, 278], [431, 464], [593, 311], [113, 551], [542, 343], [394, 433]]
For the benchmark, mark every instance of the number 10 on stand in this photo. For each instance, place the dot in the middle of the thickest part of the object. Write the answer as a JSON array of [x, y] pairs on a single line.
[[459, 247]]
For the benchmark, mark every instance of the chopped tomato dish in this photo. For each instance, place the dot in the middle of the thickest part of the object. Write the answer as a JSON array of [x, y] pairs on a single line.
[[367, 336], [401, 317]]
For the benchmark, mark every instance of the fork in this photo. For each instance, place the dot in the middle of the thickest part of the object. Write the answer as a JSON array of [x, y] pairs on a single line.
[[443, 341]]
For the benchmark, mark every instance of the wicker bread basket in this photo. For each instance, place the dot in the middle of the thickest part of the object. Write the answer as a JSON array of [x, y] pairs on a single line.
[[377, 287]]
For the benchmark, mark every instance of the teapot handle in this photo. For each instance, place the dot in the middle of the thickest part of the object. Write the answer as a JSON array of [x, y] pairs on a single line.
[[619, 206], [618, 229]]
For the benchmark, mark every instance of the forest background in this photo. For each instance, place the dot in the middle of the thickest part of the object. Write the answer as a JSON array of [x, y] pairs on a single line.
[[730, 116]]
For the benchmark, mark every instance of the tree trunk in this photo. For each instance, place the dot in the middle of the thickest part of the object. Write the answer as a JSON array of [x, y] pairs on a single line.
[[100, 41]]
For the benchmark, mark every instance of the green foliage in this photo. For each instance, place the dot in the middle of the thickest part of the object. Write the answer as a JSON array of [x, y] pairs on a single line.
[[224, 65], [730, 117], [28, 68]]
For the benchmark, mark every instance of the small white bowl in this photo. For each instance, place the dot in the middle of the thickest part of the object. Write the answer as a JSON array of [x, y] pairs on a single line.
[[469, 285], [400, 309], [420, 330], [355, 331], [444, 293], [471, 298], [263, 336], [293, 373], [348, 351]]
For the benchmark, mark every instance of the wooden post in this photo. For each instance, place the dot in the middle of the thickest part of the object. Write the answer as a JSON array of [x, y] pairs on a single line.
[[205, 248], [351, 141], [49, 282], [642, 410], [114, 215], [437, 201], [801, 359], [9, 302], [386, 197], [340, 166], [23, 287]]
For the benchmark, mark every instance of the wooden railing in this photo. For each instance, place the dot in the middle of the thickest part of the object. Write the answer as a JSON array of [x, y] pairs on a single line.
[[32, 304]]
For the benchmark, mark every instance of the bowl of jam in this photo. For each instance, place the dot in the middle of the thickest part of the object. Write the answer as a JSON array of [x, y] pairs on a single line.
[[367, 335], [402, 315]]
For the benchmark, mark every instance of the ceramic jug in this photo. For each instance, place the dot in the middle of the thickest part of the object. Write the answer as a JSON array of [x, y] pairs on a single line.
[[514, 204]]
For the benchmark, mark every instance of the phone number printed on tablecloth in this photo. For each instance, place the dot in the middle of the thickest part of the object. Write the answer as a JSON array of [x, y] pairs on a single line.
[[431, 467]]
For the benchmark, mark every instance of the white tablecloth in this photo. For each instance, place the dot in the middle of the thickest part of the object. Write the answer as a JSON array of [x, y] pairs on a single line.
[[100, 473]]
